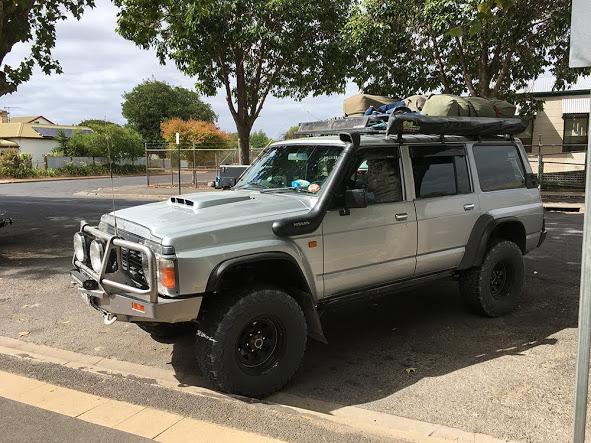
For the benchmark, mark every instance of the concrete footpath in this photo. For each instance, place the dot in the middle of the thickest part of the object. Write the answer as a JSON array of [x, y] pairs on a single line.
[[43, 383]]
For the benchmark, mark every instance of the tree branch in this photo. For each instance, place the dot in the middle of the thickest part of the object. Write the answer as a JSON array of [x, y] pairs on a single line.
[[444, 79], [268, 88], [226, 81], [503, 73], [467, 76]]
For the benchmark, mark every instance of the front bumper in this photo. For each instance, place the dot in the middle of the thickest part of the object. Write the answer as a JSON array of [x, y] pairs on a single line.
[[113, 293], [121, 305]]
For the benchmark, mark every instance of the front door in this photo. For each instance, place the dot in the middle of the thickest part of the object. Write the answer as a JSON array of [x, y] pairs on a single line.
[[377, 244]]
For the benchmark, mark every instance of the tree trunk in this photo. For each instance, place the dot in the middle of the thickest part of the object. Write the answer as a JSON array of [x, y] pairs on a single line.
[[243, 143]]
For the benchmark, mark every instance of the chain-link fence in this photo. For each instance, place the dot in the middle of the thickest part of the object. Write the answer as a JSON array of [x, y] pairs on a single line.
[[558, 166], [199, 164]]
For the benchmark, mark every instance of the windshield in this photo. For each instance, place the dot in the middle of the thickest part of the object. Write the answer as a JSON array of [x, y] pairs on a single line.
[[302, 168]]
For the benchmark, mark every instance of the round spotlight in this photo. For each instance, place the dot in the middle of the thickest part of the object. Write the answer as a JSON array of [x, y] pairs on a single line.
[[97, 252], [80, 247]]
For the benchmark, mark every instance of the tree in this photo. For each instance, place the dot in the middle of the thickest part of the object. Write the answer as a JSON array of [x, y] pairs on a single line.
[[152, 102], [486, 48], [259, 140], [32, 21], [202, 134], [251, 48], [110, 141], [95, 121], [196, 134], [291, 133], [62, 141]]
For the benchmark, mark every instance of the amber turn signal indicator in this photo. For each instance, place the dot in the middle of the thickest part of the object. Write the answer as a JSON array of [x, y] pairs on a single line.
[[313, 244], [138, 307], [167, 274]]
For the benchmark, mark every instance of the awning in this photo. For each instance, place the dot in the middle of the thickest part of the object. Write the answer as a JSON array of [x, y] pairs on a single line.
[[575, 105], [7, 144]]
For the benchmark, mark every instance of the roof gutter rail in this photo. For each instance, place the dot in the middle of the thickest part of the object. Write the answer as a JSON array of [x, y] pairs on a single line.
[[309, 222]]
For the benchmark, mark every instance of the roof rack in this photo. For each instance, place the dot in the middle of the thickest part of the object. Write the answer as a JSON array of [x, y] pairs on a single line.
[[398, 124]]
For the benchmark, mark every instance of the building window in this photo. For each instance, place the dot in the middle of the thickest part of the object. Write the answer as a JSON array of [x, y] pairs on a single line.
[[526, 136], [575, 132]]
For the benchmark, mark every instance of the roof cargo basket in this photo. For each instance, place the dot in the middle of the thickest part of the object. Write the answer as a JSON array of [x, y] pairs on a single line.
[[370, 124], [398, 124]]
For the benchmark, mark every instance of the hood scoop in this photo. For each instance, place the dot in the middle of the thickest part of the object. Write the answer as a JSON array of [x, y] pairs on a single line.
[[202, 204]]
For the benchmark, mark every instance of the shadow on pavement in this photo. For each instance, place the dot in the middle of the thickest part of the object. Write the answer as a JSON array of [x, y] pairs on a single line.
[[381, 346]]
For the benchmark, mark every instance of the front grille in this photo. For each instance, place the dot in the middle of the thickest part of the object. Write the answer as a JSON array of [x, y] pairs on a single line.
[[131, 262]]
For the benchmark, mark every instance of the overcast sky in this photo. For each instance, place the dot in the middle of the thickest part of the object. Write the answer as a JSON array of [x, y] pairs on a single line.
[[99, 66]]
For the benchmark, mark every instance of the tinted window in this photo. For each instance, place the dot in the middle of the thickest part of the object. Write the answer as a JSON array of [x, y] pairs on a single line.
[[499, 167], [380, 176], [439, 172]]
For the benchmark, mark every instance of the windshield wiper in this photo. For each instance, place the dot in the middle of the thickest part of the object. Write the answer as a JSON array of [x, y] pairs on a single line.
[[257, 184]]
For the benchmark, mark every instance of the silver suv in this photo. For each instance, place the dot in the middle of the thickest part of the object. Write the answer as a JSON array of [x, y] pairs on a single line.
[[314, 222]]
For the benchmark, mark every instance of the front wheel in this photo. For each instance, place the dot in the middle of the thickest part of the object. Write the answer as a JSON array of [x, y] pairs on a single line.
[[494, 288], [252, 343]]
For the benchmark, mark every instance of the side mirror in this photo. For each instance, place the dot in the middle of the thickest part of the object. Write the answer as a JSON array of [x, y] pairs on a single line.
[[355, 198]]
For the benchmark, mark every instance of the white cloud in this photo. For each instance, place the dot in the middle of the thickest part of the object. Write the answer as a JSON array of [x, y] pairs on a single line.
[[99, 66]]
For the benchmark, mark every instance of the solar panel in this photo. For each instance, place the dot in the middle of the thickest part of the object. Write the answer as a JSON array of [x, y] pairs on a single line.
[[52, 132]]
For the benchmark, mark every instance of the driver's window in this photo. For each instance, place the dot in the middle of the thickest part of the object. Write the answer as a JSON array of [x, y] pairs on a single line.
[[380, 177]]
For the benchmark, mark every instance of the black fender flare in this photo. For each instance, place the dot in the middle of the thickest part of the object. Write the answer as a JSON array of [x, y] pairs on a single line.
[[479, 237], [304, 298]]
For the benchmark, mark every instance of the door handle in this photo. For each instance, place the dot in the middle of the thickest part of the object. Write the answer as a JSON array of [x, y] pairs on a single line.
[[468, 207], [401, 216]]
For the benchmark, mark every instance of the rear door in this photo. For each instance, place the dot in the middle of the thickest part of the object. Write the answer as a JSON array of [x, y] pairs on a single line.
[[446, 204], [377, 244]]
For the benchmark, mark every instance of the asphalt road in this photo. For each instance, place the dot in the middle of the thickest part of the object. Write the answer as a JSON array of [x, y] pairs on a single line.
[[419, 354]]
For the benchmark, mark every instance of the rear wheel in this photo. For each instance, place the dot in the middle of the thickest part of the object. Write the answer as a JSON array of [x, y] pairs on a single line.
[[494, 288], [252, 343]]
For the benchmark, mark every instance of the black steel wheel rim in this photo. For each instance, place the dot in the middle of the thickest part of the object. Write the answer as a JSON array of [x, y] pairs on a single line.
[[260, 344], [500, 280]]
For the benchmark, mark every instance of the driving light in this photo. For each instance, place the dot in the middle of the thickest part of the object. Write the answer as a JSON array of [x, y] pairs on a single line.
[[80, 247], [96, 255]]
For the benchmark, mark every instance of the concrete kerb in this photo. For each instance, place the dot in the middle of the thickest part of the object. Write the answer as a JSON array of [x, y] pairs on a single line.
[[377, 423]]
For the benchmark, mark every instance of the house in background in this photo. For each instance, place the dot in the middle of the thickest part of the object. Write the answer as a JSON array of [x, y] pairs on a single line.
[[34, 135], [564, 123]]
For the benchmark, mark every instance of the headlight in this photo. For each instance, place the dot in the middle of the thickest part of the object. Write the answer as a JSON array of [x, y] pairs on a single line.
[[80, 247], [96, 255]]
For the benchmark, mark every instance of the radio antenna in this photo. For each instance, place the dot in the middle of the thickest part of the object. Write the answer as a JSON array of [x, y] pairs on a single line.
[[111, 172]]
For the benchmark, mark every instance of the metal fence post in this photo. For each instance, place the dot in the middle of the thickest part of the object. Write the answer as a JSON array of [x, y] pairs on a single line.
[[540, 162]]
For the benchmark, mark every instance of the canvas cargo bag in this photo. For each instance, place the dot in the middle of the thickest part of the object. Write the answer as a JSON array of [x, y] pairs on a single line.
[[356, 105], [416, 102], [453, 105], [504, 109]]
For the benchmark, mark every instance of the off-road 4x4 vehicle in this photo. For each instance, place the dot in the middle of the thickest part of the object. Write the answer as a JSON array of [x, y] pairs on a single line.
[[313, 222]]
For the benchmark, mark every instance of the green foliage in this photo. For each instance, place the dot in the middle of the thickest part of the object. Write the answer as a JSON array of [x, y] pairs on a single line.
[[94, 122], [32, 21], [61, 140], [11, 158], [110, 141], [487, 48], [291, 133], [71, 171], [259, 140], [251, 48], [153, 102]]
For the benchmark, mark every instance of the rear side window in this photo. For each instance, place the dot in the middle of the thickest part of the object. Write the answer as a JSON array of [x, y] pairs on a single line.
[[439, 171], [499, 167]]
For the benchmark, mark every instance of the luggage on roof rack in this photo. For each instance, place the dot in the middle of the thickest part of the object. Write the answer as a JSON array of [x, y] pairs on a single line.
[[467, 126], [416, 124]]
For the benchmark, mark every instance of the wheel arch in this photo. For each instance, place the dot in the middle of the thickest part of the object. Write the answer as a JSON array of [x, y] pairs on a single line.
[[276, 268], [487, 229]]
